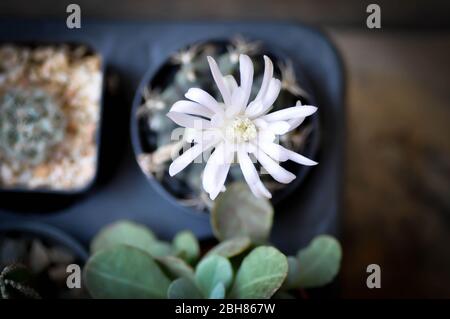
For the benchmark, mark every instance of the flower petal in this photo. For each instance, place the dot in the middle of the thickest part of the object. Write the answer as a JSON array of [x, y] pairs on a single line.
[[191, 135], [290, 113], [215, 160], [188, 156], [246, 72], [276, 171], [221, 176], [251, 175], [268, 73], [281, 154], [217, 120], [220, 81], [236, 106], [189, 121], [266, 136], [301, 159], [231, 83], [279, 127], [276, 151], [193, 108], [295, 123], [261, 124], [267, 101], [272, 93], [204, 98], [238, 95], [216, 171], [254, 108]]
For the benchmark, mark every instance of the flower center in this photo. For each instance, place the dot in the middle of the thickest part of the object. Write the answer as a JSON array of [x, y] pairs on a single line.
[[241, 130]]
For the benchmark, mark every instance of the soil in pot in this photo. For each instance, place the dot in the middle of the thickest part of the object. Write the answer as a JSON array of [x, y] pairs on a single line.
[[155, 143]]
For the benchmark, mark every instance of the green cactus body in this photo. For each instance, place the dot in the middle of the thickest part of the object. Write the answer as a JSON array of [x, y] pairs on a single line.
[[31, 124]]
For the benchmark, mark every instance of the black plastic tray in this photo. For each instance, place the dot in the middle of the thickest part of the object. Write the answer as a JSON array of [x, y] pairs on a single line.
[[122, 191]]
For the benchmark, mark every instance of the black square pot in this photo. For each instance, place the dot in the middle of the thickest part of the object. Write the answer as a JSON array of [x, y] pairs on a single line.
[[21, 198]]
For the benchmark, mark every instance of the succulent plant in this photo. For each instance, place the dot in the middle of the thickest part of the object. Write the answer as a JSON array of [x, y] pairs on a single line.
[[14, 283], [129, 261], [31, 124]]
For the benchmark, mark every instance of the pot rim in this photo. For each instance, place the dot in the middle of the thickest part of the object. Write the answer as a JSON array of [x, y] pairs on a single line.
[[48, 232]]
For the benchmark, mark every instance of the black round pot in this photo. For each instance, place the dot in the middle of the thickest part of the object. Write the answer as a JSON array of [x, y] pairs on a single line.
[[162, 77], [47, 233], [41, 280]]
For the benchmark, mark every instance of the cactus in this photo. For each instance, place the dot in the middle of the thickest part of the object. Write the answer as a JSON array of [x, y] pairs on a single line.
[[190, 69], [13, 283], [31, 124]]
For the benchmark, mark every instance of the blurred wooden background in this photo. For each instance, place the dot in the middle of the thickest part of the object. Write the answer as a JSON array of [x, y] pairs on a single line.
[[397, 196], [406, 13]]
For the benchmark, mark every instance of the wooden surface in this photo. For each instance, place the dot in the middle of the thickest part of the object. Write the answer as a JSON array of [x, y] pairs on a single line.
[[397, 197], [397, 193]]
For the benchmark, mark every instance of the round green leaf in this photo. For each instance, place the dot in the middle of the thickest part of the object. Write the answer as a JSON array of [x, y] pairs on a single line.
[[176, 267], [319, 262], [218, 292], [132, 234], [186, 246], [183, 288], [122, 232], [293, 277], [211, 271], [124, 272], [261, 274], [237, 213], [159, 248], [230, 247]]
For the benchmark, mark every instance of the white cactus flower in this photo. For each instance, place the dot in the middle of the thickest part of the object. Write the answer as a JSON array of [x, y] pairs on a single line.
[[236, 127]]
